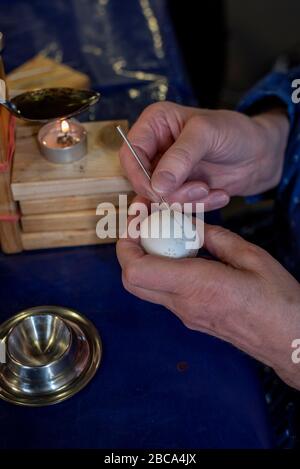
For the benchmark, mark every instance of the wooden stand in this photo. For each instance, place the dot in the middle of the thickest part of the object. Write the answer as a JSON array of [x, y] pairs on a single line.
[[56, 204], [58, 201]]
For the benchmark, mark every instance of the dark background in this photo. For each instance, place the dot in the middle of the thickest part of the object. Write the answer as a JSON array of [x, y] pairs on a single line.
[[228, 45]]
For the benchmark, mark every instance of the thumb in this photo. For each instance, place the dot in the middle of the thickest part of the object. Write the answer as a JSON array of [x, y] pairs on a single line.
[[177, 163], [230, 248]]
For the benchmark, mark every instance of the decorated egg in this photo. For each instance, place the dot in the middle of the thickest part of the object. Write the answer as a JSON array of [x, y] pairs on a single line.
[[169, 233]]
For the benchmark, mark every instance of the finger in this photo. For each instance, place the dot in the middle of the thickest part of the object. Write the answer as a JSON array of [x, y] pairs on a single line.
[[139, 199], [140, 269], [230, 248], [214, 199], [188, 192], [149, 136], [129, 251], [127, 244], [153, 296], [177, 163], [145, 271], [156, 273], [153, 133], [140, 207]]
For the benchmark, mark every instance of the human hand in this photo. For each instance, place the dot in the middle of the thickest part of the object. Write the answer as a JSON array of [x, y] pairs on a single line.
[[200, 155], [245, 297]]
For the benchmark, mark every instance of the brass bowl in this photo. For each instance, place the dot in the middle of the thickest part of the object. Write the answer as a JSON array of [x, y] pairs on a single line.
[[51, 354]]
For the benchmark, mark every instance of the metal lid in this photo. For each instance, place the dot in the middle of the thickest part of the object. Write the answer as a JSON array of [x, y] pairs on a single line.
[[1, 42]]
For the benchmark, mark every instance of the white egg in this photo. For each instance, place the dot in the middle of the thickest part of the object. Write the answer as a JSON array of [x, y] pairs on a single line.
[[168, 234]]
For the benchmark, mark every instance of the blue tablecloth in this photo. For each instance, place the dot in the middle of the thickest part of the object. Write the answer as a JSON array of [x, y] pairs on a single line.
[[142, 395], [139, 397]]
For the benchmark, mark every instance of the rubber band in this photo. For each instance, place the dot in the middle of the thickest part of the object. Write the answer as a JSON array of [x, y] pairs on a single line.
[[10, 217], [6, 165]]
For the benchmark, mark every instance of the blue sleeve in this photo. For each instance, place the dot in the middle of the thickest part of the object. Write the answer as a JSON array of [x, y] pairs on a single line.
[[277, 85]]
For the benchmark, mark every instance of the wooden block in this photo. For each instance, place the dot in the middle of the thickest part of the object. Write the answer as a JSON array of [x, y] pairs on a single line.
[[69, 204], [42, 72], [99, 172], [80, 220], [57, 239]]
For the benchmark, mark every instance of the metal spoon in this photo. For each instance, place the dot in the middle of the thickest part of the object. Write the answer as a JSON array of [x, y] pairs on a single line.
[[48, 103]]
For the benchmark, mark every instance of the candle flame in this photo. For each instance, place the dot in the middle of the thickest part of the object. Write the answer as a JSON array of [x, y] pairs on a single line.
[[65, 126]]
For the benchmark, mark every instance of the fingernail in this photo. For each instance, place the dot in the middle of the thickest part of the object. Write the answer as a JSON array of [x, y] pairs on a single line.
[[163, 181], [221, 199], [197, 193]]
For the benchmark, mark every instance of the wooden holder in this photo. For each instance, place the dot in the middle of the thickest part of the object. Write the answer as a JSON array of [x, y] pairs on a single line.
[[58, 202], [35, 188]]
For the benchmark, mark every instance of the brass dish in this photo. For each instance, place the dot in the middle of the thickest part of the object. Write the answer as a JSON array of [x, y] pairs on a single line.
[[51, 354]]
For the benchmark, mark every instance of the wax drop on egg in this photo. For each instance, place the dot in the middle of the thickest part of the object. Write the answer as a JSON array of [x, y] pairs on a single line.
[[168, 233]]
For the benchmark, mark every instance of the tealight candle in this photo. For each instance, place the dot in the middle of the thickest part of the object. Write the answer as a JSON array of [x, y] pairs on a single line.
[[63, 141]]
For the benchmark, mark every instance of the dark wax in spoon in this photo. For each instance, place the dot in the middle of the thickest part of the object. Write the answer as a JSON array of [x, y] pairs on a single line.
[[53, 103]]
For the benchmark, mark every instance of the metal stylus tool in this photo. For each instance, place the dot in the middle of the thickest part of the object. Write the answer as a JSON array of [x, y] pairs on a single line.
[[139, 161]]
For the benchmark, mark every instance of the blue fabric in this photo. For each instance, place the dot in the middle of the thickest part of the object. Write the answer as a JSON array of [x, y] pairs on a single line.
[[139, 398], [127, 48], [287, 210]]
